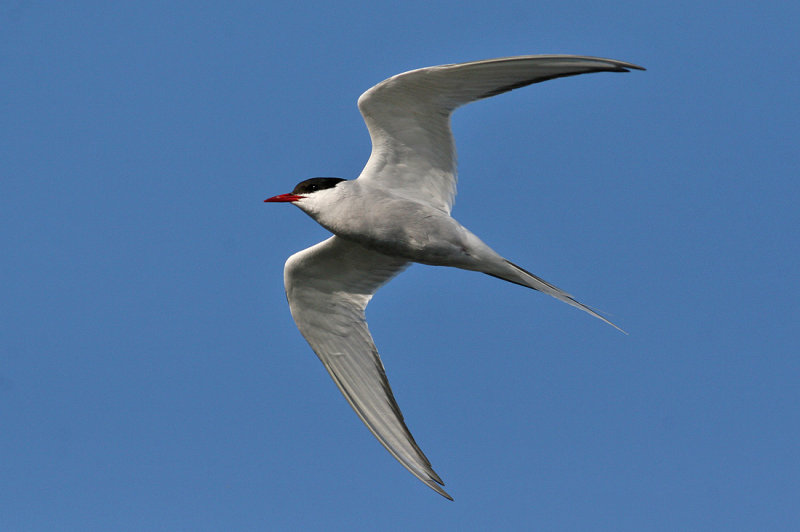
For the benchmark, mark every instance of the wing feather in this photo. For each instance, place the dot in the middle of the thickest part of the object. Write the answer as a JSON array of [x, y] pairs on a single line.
[[328, 287], [408, 116]]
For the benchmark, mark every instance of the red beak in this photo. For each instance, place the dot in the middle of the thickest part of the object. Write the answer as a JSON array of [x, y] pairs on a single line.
[[283, 197]]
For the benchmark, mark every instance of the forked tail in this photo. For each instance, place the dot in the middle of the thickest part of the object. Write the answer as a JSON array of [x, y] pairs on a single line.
[[523, 277]]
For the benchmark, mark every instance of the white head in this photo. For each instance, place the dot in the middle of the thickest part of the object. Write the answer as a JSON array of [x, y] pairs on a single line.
[[309, 194]]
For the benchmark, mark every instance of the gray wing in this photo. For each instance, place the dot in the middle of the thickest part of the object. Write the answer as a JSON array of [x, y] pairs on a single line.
[[408, 116], [328, 287]]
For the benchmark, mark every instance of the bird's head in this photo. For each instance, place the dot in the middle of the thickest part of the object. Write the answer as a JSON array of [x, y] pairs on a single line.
[[307, 194]]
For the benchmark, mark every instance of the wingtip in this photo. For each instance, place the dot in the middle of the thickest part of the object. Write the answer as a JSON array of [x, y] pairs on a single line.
[[434, 482], [438, 489], [627, 67]]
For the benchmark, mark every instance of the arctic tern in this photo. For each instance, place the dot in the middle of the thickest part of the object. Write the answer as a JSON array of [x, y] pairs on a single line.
[[398, 212]]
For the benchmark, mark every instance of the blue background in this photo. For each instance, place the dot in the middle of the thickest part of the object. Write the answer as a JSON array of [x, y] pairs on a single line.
[[151, 377]]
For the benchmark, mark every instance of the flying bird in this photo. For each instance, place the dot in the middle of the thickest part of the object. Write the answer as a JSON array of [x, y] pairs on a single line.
[[397, 212]]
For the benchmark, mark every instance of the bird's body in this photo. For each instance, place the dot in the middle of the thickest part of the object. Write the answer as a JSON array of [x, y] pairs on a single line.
[[398, 212], [397, 226]]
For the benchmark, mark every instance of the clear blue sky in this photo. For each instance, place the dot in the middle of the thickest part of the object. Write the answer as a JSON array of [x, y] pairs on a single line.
[[151, 377]]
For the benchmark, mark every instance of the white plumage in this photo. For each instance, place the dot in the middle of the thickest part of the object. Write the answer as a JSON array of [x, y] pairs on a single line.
[[398, 212]]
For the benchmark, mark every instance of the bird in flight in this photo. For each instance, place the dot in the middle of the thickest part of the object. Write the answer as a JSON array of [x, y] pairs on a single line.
[[398, 212]]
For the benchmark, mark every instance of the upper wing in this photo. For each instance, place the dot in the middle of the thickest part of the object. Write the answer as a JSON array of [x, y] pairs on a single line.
[[328, 287], [408, 116]]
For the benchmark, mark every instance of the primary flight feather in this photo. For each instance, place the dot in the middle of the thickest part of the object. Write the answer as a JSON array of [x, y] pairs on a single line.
[[398, 212]]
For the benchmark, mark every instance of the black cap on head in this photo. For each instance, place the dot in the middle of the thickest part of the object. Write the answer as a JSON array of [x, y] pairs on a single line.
[[316, 183]]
